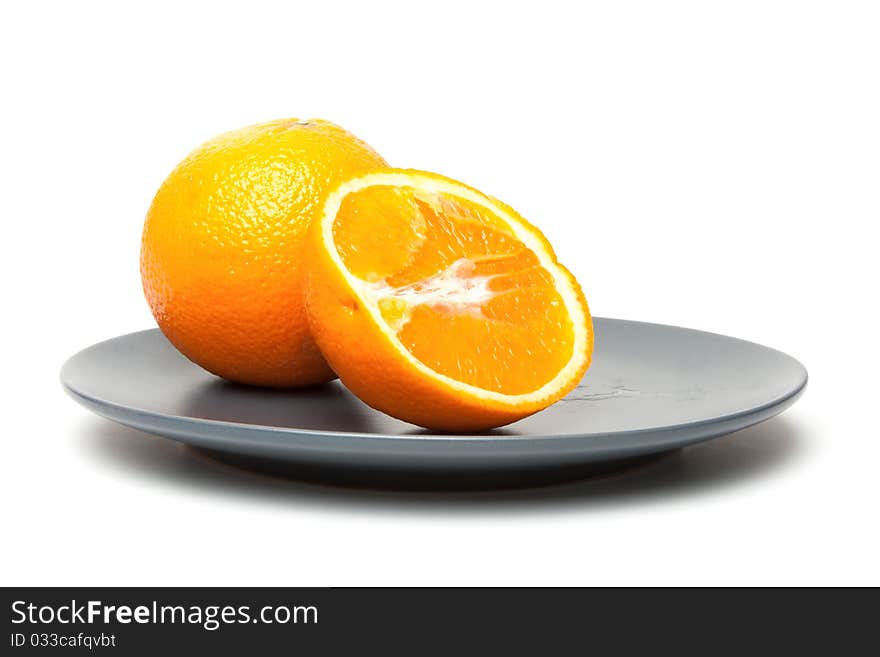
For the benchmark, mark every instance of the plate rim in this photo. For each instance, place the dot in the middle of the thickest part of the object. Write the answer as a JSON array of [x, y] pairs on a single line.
[[486, 438]]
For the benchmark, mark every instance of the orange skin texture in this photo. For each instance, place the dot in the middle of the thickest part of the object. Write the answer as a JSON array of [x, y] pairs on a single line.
[[371, 366], [221, 254]]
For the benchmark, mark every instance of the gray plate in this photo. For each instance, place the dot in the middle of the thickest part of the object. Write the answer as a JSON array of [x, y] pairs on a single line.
[[651, 389]]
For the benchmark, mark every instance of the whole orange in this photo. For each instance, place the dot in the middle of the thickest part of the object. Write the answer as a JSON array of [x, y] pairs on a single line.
[[221, 254]]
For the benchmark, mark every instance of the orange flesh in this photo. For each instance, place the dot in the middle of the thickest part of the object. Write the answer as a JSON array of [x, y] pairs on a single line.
[[461, 292]]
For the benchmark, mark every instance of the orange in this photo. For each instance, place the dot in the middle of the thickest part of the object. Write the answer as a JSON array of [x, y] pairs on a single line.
[[440, 305], [221, 255]]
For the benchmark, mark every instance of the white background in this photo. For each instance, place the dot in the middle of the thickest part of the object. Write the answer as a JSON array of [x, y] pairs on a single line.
[[706, 164]]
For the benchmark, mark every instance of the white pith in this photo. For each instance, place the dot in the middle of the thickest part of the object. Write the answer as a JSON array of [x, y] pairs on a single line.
[[451, 288], [446, 286]]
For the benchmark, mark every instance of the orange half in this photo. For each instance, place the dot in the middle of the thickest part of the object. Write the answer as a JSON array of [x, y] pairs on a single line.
[[441, 306]]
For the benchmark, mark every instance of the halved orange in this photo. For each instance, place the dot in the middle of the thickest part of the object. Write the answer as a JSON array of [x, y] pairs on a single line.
[[441, 306]]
